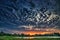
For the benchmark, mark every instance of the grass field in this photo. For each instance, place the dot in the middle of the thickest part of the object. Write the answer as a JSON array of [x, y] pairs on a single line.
[[14, 38]]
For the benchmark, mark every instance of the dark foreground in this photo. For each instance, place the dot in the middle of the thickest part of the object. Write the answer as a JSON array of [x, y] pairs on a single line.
[[27, 38]]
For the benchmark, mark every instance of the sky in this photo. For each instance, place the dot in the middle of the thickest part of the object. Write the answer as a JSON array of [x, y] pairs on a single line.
[[18, 16]]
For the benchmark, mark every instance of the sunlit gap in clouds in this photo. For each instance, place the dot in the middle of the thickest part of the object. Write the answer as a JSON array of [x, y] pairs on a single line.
[[30, 17], [30, 30]]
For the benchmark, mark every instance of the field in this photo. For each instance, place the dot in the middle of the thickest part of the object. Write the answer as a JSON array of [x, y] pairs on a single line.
[[25, 38]]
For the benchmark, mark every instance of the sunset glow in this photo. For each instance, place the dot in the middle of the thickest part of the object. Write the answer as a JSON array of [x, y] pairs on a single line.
[[30, 17], [41, 31], [35, 32]]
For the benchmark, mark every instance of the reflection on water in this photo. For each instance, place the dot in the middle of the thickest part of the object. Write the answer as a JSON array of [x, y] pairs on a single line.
[[33, 38], [25, 37], [29, 38]]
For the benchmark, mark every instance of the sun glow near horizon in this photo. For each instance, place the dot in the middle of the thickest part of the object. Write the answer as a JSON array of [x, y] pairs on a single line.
[[40, 31], [35, 32]]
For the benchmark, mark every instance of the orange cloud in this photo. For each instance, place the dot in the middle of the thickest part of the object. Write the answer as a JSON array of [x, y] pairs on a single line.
[[41, 31], [35, 32]]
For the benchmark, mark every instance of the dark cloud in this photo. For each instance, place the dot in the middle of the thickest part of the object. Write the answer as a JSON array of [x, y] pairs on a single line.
[[14, 13]]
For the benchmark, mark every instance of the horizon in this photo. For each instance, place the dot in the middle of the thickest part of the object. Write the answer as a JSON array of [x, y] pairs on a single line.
[[30, 16]]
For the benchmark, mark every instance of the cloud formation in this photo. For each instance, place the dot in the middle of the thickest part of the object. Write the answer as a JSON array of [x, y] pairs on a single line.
[[29, 14]]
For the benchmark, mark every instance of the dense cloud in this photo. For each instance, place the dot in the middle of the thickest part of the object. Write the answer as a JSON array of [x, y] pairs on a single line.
[[38, 13]]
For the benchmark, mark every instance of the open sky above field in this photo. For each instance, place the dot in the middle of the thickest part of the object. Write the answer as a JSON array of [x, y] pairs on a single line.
[[18, 16]]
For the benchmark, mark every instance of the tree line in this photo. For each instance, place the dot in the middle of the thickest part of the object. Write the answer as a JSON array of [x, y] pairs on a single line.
[[24, 35]]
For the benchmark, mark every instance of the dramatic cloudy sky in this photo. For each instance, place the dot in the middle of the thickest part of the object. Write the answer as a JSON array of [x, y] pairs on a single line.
[[18, 15]]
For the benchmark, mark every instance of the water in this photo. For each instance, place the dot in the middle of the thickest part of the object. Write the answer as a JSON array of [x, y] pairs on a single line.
[[39, 37]]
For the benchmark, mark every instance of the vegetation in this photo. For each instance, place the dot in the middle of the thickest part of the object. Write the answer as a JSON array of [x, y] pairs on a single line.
[[24, 35], [6, 36], [13, 38]]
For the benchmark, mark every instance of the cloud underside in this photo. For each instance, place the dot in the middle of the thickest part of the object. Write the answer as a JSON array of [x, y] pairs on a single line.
[[41, 31], [29, 15]]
